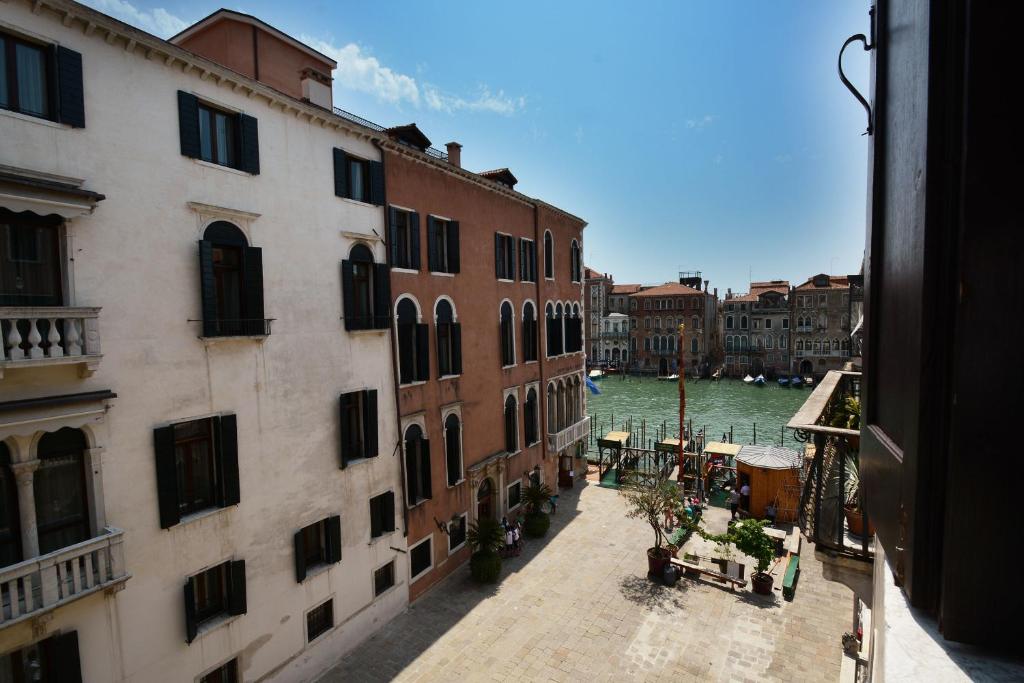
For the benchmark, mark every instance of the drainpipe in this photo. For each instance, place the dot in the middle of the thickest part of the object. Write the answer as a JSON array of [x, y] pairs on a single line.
[[394, 353]]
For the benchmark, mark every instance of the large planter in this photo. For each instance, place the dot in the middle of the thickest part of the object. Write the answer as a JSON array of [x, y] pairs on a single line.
[[485, 567], [855, 522], [762, 583], [536, 524], [657, 558]]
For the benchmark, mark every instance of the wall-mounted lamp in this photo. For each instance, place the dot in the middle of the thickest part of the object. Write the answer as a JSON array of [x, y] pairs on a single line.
[[445, 527]]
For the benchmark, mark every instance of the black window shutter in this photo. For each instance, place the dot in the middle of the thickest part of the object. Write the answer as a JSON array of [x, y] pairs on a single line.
[[346, 438], [510, 250], [456, 330], [236, 598], [414, 240], [389, 511], [522, 259], [376, 516], [226, 427], [454, 262], [352, 322], [340, 173], [208, 289], [425, 464], [431, 244], [406, 353], [382, 296], [300, 557], [333, 534], [166, 477], [422, 352], [498, 260], [376, 183], [370, 423], [188, 124], [393, 255], [410, 474], [191, 627], [62, 659], [250, 156], [533, 261], [71, 93], [253, 273]]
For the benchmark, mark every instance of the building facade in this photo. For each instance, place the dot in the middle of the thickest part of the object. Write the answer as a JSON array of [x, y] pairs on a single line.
[[597, 288], [614, 344], [769, 328], [735, 316], [820, 321], [655, 316]]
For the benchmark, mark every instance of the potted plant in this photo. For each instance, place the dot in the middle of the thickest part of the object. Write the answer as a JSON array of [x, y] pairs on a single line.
[[647, 496], [847, 416], [536, 523], [750, 539], [852, 508], [486, 539]]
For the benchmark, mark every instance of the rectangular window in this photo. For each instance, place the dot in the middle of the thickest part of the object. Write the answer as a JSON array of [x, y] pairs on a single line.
[[319, 620], [225, 673], [505, 256], [213, 593], [514, 493], [382, 514], [317, 545], [420, 558], [457, 534], [647, 323], [358, 179], [785, 323], [402, 238], [218, 136], [768, 323], [383, 578], [31, 273], [53, 659], [358, 422], [24, 82], [417, 469], [196, 465], [443, 245], [528, 262]]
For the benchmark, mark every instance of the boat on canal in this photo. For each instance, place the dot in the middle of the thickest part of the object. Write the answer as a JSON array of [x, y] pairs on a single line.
[[596, 374], [783, 381], [669, 378], [760, 380], [748, 380], [809, 380], [795, 381]]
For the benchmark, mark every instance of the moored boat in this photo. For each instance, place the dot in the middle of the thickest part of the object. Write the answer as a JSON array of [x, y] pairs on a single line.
[[795, 381], [760, 380], [809, 380], [783, 381], [668, 378], [748, 379], [596, 374]]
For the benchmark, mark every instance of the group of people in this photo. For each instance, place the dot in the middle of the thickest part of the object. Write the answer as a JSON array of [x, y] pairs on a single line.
[[513, 536], [691, 507], [737, 496]]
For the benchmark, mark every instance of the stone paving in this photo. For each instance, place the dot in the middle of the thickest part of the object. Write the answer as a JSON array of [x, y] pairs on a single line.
[[577, 605]]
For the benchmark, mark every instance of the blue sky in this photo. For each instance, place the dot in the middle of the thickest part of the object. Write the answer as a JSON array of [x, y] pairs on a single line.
[[711, 136]]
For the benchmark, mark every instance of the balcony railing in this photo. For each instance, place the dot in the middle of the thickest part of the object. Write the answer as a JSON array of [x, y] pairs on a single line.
[[49, 335], [559, 441], [830, 463], [44, 583]]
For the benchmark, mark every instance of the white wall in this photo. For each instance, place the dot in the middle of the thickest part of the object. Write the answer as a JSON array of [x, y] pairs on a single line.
[[136, 256]]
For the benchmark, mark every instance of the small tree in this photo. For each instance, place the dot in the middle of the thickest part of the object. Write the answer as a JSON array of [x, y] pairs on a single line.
[[535, 496], [750, 539], [648, 495], [485, 538]]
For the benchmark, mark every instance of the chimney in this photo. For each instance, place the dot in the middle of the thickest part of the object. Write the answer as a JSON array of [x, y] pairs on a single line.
[[316, 88], [716, 292], [706, 282], [454, 153]]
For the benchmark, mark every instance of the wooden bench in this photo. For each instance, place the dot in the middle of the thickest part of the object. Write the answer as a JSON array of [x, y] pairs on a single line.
[[789, 580], [690, 567]]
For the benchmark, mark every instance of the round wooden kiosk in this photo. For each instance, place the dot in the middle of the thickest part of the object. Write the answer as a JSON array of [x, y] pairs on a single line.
[[773, 474]]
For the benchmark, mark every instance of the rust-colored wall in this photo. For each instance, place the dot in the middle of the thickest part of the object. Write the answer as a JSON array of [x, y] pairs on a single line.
[[477, 295]]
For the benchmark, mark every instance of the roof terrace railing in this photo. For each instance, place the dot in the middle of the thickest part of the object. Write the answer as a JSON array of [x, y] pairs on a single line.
[[349, 116]]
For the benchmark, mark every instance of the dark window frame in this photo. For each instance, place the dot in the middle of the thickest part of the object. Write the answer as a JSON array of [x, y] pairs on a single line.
[[382, 518], [319, 620], [427, 541], [48, 86], [225, 673], [233, 141], [505, 256], [549, 255], [453, 449], [383, 578], [211, 469], [510, 413], [364, 169], [458, 533], [518, 486], [418, 471], [507, 336]]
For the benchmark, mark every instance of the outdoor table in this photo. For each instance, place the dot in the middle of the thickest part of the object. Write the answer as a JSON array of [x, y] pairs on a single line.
[[778, 537]]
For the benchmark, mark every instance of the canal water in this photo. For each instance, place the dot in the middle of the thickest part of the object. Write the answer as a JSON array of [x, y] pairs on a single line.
[[717, 405]]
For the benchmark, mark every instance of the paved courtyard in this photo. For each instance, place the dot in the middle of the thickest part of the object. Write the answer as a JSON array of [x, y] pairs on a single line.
[[578, 606]]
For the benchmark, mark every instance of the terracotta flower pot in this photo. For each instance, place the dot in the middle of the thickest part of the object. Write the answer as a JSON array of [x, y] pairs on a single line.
[[657, 558], [855, 522], [762, 583]]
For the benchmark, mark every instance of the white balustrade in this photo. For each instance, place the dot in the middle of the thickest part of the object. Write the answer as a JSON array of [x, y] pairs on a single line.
[[571, 434], [72, 335]]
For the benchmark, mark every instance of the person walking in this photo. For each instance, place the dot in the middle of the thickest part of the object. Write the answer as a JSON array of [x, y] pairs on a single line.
[[734, 502], [745, 496]]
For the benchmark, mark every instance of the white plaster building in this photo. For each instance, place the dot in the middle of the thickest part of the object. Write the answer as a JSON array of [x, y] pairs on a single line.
[[614, 341], [174, 463]]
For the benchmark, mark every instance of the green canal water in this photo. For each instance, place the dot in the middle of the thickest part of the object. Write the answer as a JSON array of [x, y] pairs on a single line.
[[716, 405]]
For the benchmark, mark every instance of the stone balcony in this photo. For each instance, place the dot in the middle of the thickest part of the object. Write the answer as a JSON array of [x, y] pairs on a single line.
[[33, 336], [560, 440], [40, 585]]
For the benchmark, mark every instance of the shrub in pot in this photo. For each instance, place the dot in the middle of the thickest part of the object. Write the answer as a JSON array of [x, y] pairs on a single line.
[[485, 538], [536, 523], [750, 539], [648, 495]]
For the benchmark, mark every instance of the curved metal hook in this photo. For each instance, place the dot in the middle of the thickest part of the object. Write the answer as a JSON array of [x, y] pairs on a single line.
[[846, 81]]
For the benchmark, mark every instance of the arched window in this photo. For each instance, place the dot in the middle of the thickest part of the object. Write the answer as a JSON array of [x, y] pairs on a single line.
[[549, 256], [560, 404], [769, 341], [743, 322], [783, 342], [575, 330], [835, 344], [231, 279], [657, 344], [366, 290], [529, 332], [449, 340], [508, 344], [530, 425], [799, 344], [728, 344], [511, 425], [744, 343], [413, 358], [552, 410], [417, 465], [694, 346], [575, 267], [728, 322], [62, 510], [559, 330], [453, 448]]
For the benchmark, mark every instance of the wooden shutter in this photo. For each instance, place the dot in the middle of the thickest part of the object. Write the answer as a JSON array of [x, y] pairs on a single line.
[[498, 260], [71, 94], [432, 259], [370, 423], [226, 429], [389, 511], [523, 264], [332, 533], [376, 516], [393, 255], [166, 477], [454, 261], [250, 144], [340, 173], [253, 274], [406, 353], [191, 627], [236, 596], [346, 438], [300, 556], [410, 473], [414, 240], [510, 254], [381, 296], [422, 352], [63, 663], [208, 290], [188, 124], [425, 467], [533, 261], [456, 334], [352, 322], [376, 183]]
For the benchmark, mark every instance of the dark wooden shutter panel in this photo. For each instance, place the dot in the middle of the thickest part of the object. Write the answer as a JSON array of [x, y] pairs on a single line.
[[346, 438], [226, 427], [425, 464], [352, 322], [510, 251], [250, 147], [236, 598], [497, 256], [382, 296], [406, 353], [533, 261], [410, 473], [454, 260], [422, 352], [393, 255], [376, 183], [71, 93], [389, 511], [63, 662], [414, 240], [300, 556], [208, 290], [522, 259], [191, 627], [188, 124], [376, 517], [253, 273], [340, 173], [432, 244], [456, 330], [333, 535], [166, 477], [370, 423]]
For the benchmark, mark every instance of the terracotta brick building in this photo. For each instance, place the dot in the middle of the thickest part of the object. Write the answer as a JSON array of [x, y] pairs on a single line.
[[655, 315], [820, 319]]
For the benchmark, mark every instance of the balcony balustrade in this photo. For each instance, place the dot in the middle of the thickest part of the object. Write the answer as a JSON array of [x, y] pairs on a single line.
[[49, 335], [561, 440], [42, 584]]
